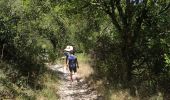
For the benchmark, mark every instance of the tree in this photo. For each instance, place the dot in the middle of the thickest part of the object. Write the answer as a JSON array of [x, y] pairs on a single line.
[[128, 18], [138, 42], [30, 30]]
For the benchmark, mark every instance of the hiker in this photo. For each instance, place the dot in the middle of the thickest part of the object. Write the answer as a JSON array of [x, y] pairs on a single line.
[[72, 63]]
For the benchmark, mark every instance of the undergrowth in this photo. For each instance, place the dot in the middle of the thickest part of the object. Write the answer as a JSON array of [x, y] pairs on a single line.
[[20, 90]]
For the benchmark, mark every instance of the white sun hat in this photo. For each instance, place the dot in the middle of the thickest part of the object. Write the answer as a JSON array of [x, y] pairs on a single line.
[[69, 48]]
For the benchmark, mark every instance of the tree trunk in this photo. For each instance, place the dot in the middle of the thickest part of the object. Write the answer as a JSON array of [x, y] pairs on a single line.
[[127, 54]]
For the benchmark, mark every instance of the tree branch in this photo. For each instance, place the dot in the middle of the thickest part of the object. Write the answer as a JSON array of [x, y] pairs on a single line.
[[121, 13], [113, 16], [165, 9], [2, 52], [128, 12], [139, 20], [109, 8]]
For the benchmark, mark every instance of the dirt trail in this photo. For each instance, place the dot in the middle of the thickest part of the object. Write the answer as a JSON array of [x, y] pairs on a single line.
[[76, 90]]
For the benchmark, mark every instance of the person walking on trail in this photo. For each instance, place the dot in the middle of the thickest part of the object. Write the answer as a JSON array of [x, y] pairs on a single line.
[[72, 63]]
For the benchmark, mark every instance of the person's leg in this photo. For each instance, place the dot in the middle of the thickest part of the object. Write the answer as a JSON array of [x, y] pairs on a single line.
[[71, 76], [71, 70], [75, 74]]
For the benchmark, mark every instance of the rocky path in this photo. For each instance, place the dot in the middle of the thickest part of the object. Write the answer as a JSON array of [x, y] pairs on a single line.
[[76, 90]]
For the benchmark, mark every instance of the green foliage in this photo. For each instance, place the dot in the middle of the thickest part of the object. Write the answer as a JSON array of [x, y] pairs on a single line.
[[128, 40], [31, 34], [134, 52], [167, 60], [20, 89]]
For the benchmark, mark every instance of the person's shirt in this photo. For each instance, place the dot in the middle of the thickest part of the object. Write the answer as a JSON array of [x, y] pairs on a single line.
[[72, 61]]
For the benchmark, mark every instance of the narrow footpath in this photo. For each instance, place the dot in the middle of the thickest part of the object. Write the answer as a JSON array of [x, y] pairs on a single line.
[[76, 90]]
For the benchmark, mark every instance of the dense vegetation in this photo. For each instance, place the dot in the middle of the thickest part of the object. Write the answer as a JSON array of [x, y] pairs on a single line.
[[128, 40], [31, 34]]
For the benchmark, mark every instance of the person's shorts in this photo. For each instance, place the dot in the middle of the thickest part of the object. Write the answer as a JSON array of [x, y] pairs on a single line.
[[73, 69]]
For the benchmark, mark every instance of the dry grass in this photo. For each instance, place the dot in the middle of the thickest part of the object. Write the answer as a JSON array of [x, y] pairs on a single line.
[[122, 95], [85, 70], [111, 93]]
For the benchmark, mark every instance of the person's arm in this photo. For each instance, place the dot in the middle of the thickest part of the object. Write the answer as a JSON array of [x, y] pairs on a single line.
[[77, 63], [66, 59], [67, 62], [66, 55]]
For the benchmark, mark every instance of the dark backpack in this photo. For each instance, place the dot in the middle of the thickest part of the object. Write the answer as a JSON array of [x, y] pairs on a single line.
[[72, 61]]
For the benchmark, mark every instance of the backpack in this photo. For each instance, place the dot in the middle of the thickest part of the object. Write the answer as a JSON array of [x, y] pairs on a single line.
[[72, 61], [66, 54]]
